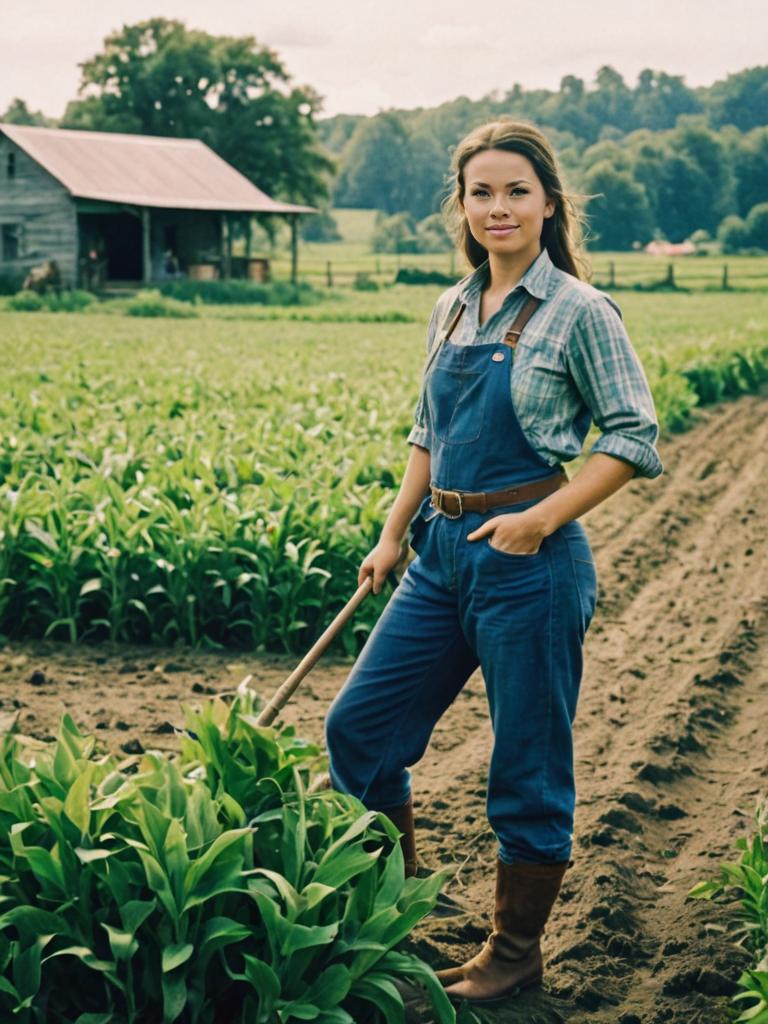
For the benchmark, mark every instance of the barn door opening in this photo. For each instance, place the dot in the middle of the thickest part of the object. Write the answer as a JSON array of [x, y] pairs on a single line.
[[115, 241]]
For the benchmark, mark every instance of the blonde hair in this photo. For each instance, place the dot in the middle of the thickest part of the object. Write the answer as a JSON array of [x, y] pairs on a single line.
[[562, 234]]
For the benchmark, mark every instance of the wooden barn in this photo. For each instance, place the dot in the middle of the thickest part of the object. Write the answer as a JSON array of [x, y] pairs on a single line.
[[113, 208]]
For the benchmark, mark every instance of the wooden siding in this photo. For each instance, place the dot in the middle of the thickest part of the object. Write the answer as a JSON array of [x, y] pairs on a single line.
[[44, 210]]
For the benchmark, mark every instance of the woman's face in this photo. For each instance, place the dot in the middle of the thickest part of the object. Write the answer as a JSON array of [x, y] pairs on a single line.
[[505, 203]]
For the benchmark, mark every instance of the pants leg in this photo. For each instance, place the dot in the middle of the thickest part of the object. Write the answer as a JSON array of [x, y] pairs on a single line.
[[526, 619], [414, 664]]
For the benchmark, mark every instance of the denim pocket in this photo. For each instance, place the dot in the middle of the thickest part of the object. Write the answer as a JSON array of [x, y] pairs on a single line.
[[512, 555], [584, 571], [419, 523]]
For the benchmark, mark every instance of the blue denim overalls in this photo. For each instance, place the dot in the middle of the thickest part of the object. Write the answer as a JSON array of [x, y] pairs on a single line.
[[460, 604]]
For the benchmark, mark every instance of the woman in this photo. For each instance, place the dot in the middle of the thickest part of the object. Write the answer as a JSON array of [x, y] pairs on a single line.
[[522, 356]]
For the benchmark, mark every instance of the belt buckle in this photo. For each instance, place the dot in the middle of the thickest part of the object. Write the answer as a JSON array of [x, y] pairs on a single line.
[[441, 504]]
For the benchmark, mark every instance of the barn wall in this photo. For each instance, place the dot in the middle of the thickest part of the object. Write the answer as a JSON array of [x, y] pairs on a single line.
[[45, 211]]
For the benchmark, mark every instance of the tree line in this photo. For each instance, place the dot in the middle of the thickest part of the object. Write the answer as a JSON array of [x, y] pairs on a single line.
[[655, 159]]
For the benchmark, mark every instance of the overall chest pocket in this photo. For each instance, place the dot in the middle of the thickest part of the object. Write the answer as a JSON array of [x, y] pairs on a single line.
[[456, 400]]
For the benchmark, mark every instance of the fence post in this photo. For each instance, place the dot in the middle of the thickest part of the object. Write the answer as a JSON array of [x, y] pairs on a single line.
[[328, 274], [612, 275], [725, 277], [670, 278]]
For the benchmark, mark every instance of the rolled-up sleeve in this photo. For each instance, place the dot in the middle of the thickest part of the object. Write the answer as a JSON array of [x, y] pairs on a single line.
[[611, 380], [420, 433]]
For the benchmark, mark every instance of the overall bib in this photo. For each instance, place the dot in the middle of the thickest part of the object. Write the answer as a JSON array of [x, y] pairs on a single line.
[[521, 617]]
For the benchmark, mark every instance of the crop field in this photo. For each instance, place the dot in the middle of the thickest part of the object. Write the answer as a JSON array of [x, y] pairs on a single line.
[[184, 502], [219, 479]]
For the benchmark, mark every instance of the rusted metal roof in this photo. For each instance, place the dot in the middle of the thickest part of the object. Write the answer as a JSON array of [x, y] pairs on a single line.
[[144, 170]]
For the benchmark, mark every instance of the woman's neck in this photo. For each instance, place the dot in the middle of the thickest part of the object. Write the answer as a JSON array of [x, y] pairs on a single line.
[[506, 271]]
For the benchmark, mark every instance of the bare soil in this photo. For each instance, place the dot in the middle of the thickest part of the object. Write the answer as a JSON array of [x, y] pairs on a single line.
[[671, 739]]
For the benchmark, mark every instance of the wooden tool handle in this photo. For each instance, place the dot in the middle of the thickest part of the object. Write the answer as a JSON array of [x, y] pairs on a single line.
[[291, 684]]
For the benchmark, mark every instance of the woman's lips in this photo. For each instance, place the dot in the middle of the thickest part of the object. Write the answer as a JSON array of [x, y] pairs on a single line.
[[503, 231]]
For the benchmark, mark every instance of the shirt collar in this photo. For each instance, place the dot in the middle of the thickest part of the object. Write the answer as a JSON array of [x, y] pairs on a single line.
[[536, 280]]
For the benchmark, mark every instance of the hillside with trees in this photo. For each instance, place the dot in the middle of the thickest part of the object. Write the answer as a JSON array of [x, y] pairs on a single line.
[[658, 159]]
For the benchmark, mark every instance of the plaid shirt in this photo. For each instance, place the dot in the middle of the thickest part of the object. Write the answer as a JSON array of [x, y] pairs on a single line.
[[574, 363]]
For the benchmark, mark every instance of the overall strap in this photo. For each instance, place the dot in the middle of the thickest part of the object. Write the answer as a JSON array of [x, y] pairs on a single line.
[[513, 334], [449, 322]]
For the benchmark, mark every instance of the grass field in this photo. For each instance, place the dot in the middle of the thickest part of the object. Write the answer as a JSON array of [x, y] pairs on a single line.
[[354, 255]]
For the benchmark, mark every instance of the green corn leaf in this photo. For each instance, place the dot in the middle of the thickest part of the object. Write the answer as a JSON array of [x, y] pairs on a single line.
[[705, 890], [157, 880], [218, 870], [354, 830], [122, 944], [174, 996], [335, 1016], [330, 988], [297, 1011], [392, 879], [265, 983], [411, 967], [176, 955], [381, 992], [134, 913], [346, 865], [219, 932], [76, 805]]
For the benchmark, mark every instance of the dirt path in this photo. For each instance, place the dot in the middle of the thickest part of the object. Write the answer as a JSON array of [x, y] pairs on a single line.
[[671, 745]]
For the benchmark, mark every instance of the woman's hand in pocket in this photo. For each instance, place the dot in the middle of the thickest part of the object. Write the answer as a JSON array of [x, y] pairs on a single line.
[[513, 533], [379, 562]]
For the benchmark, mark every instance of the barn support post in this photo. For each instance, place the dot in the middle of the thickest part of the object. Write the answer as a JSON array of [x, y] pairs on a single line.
[[248, 236], [294, 219], [226, 247], [228, 235], [146, 248]]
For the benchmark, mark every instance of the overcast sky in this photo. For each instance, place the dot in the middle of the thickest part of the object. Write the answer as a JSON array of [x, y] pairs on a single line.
[[367, 55]]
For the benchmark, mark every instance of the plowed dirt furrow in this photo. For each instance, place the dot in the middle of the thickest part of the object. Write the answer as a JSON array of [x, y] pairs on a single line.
[[670, 757]]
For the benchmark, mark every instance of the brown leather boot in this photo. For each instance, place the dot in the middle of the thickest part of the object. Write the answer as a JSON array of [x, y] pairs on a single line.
[[402, 817], [511, 957]]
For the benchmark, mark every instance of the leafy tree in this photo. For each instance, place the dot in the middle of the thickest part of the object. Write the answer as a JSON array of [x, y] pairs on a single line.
[[374, 173], [433, 235], [706, 152], [619, 215], [158, 77], [683, 198], [733, 234], [321, 227], [661, 98], [17, 112], [395, 234], [611, 101], [740, 100], [757, 225], [749, 158]]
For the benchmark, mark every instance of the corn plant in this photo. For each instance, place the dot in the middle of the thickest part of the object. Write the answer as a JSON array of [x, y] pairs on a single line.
[[749, 879], [198, 889], [219, 482]]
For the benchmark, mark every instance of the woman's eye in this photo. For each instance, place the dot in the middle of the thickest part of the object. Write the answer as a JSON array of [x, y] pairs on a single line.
[[484, 192]]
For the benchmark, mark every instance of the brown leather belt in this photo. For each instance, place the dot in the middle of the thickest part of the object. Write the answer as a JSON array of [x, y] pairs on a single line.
[[454, 504]]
